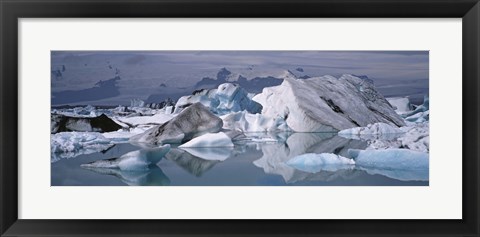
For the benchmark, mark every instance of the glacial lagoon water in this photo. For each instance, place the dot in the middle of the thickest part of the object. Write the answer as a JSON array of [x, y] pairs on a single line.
[[257, 161]]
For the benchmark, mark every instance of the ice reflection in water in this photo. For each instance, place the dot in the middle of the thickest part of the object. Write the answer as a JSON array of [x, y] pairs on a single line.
[[256, 159]]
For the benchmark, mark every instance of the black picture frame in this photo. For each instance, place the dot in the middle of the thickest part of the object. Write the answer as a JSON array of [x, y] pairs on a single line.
[[11, 11]]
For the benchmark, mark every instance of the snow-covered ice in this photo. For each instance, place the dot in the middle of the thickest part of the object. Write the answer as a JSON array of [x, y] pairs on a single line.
[[323, 104], [134, 160], [313, 163]]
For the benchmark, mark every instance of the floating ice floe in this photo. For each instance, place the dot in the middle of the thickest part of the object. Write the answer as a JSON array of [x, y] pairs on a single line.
[[192, 122], [72, 144], [247, 122], [380, 131], [322, 104], [314, 163], [219, 139], [135, 160], [394, 159], [227, 98]]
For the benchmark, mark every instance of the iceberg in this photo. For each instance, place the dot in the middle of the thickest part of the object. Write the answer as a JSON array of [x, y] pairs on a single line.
[[72, 144], [247, 122], [102, 123], [374, 131], [192, 122], [134, 160], [313, 163], [420, 114], [327, 104], [219, 139], [394, 159], [227, 98]]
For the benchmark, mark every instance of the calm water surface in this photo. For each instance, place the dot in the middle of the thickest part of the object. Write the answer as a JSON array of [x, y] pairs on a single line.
[[249, 163]]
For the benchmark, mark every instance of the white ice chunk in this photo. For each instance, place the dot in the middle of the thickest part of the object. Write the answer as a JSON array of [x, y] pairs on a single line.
[[313, 163], [219, 139]]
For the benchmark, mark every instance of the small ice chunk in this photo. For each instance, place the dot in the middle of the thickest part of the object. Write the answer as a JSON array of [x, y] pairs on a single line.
[[313, 163], [219, 139]]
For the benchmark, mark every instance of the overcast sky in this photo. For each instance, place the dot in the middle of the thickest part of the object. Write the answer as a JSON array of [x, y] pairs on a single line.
[[141, 73]]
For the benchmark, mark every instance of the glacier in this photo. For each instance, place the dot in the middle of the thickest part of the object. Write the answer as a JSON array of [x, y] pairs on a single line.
[[327, 104], [135, 160], [313, 163], [193, 121]]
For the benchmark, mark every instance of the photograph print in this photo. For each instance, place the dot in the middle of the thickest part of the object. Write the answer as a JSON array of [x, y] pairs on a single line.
[[239, 118]]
